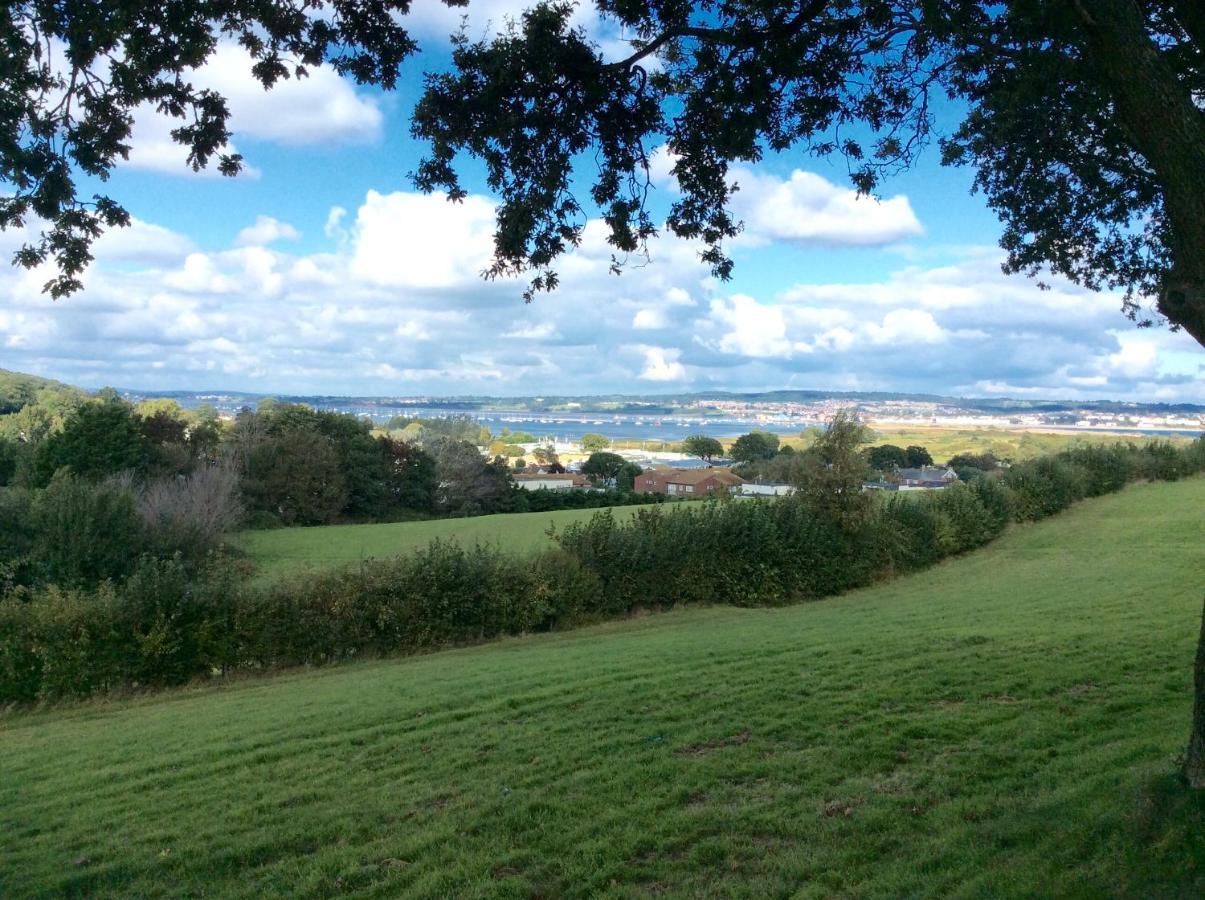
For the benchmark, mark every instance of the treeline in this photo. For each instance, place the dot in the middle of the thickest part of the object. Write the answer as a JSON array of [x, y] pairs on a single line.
[[166, 623], [90, 486]]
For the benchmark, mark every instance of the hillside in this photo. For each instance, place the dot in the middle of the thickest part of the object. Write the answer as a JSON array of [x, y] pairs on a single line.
[[18, 389], [1001, 725]]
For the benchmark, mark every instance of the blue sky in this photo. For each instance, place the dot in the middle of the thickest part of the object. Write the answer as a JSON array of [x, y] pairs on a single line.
[[321, 271]]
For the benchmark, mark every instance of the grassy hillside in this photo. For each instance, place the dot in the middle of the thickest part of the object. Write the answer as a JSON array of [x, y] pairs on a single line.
[[1001, 725], [289, 550]]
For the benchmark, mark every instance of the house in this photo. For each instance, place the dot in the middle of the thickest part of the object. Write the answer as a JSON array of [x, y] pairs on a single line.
[[551, 481], [686, 482], [751, 489], [926, 478]]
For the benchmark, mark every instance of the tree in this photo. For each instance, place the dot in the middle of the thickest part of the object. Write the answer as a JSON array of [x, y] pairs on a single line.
[[886, 457], [98, 439], [468, 485], [916, 457], [546, 456], [410, 481], [603, 466], [625, 479], [702, 446], [1104, 187], [836, 470], [592, 442], [8, 460], [754, 446], [294, 476], [971, 465]]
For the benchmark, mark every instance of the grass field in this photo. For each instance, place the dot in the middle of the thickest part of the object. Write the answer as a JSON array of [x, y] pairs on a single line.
[[283, 551], [1002, 725], [943, 443]]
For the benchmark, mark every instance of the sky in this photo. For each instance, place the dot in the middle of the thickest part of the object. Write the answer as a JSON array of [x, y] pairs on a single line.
[[321, 270]]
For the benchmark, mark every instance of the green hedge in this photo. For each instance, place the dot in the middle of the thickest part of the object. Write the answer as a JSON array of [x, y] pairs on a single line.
[[165, 624]]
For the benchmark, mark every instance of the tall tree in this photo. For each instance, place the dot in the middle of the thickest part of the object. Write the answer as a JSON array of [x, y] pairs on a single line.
[[702, 446], [754, 446]]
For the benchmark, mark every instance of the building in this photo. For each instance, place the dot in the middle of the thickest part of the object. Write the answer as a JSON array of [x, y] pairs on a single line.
[[551, 481], [926, 478], [752, 489], [686, 482]]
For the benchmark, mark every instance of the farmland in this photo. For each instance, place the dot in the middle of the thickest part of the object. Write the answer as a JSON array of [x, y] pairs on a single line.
[[1003, 724], [287, 551]]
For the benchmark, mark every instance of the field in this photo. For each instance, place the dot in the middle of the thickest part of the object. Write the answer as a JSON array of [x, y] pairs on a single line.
[[285, 551], [1003, 725], [1016, 445]]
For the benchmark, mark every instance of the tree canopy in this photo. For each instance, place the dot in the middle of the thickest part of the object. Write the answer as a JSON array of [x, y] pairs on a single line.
[[755, 445], [1103, 186], [702, 446]]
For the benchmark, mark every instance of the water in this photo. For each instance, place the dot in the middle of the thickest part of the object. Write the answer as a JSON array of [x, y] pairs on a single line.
[[571, 426]]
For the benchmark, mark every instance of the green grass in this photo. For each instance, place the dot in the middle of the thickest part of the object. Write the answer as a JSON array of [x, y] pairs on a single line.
[[285, 551], [1001, 725], [1014, 444]]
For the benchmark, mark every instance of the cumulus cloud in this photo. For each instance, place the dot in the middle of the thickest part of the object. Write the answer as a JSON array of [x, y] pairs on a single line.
[[266, 230], [808, 209], [321, 108], [396, 305], [422, 240], [661, 364], [142, 242], [803, 208]]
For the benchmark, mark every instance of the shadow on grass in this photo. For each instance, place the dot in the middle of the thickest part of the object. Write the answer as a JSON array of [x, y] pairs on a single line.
[[1166, 846]]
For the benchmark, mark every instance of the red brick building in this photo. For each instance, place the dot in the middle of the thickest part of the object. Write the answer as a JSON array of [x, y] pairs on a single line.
[[686, 482]]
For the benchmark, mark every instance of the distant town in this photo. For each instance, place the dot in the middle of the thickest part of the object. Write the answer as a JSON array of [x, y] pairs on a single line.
[[670, 418]]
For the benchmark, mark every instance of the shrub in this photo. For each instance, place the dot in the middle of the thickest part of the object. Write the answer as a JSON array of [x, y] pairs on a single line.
[[1044, 486], [188, 514], [1161, 461], [169, 622], [16, 538], [85, 533]]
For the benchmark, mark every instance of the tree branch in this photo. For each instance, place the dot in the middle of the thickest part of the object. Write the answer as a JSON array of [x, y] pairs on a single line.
[[723, 36]]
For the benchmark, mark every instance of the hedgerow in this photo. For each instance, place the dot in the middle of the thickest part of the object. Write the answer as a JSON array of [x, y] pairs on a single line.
[[170, 621]]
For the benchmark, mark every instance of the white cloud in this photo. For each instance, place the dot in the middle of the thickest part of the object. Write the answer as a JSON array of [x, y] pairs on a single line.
[[142, 242], [661, 364], [422, 240], [807, 209], [750, 328], [266, 230], [321, 108], [906, 326], [396, 305], [649, 320]]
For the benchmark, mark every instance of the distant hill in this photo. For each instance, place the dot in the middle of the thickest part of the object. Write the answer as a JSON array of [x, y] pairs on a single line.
[[18, 389]]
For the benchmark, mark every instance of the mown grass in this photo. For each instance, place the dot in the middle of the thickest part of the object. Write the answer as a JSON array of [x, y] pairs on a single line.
[[287, 551], [1002, 725]]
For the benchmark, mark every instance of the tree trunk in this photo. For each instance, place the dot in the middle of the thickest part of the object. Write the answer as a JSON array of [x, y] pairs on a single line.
[[1194, 763], [1167, 128]]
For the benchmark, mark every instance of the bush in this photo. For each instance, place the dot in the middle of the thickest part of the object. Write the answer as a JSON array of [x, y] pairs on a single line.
[[85, 533], [159, 628], [1045, 486], [169, 622], [188, 514]]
